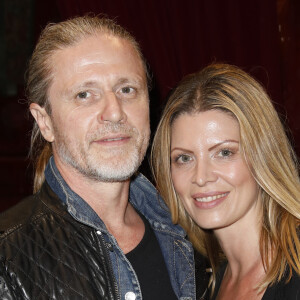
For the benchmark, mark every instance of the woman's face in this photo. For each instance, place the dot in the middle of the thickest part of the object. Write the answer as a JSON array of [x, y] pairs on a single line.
[[209, 172]]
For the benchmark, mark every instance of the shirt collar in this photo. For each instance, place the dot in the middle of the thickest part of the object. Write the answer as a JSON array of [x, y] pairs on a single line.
[[77, 207], [143, 196]]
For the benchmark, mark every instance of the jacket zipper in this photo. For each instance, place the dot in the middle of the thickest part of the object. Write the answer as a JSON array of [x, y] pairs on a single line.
[[102, 243]]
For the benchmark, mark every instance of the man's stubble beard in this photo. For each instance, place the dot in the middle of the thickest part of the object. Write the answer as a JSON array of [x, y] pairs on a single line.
[[118, 165]]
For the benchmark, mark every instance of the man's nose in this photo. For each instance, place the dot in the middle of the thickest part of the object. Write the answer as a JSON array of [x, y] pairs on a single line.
[[204, 172], [111, 109]]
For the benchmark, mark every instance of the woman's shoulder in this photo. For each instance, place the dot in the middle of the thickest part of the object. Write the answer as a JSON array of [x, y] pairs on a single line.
[[284, 290]]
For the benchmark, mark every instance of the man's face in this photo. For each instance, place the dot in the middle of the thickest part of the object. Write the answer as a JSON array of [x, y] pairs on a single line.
[[99, 108]]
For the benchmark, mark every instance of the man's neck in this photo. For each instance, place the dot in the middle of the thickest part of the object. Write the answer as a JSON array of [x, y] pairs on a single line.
[[110, 201]]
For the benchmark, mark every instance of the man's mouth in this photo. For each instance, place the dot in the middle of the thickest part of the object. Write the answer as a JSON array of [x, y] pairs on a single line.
[[114, 139]]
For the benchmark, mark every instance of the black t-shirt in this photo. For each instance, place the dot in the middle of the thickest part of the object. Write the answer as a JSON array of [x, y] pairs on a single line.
[[148, 262]]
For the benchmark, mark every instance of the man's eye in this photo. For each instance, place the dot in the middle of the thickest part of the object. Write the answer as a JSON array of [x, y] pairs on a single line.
[[83, 95], [127, 90]]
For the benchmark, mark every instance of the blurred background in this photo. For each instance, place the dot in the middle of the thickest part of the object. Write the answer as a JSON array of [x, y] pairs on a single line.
[[177, 37]]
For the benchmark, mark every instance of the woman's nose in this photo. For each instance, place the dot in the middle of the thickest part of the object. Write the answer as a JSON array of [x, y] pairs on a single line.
[[204, 172]]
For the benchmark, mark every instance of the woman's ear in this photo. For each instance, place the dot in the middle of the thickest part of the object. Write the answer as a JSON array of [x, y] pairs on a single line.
[[43, 120]]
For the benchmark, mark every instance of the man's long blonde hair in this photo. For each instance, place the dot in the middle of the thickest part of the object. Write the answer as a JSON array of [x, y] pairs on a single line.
[[268, 154], [39, 74]]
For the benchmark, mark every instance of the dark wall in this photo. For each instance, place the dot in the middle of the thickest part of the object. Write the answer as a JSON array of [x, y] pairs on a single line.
[[177, 38]]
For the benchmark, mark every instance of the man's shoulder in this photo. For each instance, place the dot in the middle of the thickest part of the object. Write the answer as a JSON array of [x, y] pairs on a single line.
[[43, 243], [18, 214], [30, 210], [35, 222]]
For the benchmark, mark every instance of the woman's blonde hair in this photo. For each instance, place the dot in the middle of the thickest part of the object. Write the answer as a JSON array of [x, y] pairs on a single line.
[[267, 152], [54, 37]]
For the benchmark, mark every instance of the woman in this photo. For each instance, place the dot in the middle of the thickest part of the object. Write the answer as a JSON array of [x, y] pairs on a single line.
[[223, 164]]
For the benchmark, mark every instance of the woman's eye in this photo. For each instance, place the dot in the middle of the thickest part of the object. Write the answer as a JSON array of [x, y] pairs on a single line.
[[225, 153], [83, 95], [183, 158]]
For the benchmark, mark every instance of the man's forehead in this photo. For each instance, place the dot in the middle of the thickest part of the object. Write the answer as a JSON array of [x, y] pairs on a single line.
[[96, 62], [100, 43], [98, 49]]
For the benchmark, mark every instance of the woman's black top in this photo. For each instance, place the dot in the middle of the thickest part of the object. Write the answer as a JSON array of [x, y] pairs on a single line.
[[278, 291]]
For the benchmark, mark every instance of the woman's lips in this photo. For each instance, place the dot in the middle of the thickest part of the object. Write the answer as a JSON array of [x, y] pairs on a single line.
[[209, 200]]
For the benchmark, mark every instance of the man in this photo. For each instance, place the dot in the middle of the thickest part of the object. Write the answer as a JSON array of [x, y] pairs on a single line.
[[93, 229]]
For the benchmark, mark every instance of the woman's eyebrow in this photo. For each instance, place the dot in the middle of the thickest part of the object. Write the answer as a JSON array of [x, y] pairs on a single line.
[[223, 142], [180, 149]]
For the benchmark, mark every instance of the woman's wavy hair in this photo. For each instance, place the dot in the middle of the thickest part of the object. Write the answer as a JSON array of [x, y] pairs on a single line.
[[267, 152], [39, 74]]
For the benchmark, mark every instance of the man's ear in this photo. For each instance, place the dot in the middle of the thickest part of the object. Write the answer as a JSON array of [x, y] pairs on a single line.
[[43, 120]]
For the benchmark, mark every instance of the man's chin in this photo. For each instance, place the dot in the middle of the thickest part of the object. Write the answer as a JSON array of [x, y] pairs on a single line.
[[113, 168], [115, 171], [110, 176]]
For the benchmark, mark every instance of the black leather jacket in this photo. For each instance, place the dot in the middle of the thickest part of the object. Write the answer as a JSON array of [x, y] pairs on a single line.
[[35, 260]]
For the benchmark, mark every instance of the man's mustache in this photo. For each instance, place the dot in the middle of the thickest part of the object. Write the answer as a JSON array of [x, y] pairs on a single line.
[[107, 129]]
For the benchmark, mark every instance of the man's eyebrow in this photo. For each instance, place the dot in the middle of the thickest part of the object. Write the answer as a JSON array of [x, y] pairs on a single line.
[[90, 83], [136, 80], [83, 85]]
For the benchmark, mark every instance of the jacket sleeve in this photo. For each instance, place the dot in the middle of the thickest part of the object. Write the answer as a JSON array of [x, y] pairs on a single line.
[[5, 286]]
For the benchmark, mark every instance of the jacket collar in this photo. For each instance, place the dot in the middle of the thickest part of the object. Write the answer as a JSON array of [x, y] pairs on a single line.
[[146, 199], [143, 196]]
